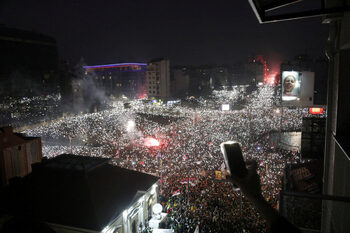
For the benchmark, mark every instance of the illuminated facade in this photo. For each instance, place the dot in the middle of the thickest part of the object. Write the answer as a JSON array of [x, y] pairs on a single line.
[[119, 79]]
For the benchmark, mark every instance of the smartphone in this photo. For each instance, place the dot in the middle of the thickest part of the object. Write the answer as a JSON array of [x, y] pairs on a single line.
[[233, 157]]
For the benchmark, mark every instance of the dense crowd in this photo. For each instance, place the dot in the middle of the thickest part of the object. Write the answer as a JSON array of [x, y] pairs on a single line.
[[188, 153], [21, 111]]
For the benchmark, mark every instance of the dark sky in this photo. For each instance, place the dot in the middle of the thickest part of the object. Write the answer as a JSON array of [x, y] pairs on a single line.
[[186, 32]]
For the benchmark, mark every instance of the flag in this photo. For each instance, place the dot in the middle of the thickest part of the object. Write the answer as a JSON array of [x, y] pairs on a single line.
[[190, 180], [175, 193], [141, 162]]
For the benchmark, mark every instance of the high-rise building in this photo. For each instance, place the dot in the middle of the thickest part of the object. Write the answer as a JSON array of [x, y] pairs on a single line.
[[118, 79], [158, 78], [17, 154], [180, 83]]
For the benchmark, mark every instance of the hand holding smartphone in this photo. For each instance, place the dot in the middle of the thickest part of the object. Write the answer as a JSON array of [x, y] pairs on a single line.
[[233, 157]]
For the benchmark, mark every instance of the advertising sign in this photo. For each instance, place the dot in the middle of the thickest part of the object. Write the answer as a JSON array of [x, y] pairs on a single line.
[[290, 86], [298, 88], [225, 107]]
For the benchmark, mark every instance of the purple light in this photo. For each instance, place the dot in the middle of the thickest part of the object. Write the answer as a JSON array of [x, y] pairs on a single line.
[[115, 65]]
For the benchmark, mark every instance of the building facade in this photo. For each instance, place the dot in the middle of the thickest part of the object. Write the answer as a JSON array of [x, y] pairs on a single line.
[[179, 83], [84, 194], [17, 154], [158, 79], [319, 66], [126, 79]]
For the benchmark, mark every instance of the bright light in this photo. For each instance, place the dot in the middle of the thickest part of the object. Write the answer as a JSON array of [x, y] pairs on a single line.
[[315, 111], [130, 125], [289, 98], [151, 142], [260, 83], [107, 229], [277, 111], [157, 208], [225, 107], [153, 191], [125, 214]]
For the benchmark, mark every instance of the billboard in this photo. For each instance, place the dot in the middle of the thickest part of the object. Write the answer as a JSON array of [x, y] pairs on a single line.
[[298, 88], [316, 111], [290, 86], [225, 107]]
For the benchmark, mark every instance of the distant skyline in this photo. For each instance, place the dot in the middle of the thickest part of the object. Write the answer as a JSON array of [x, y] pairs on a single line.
[[186, 32]]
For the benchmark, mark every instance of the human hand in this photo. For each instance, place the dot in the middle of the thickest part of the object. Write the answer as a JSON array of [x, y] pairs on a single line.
[[250, 184]]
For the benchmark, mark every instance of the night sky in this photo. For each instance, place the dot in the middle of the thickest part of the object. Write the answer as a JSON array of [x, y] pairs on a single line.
[[186, 32]]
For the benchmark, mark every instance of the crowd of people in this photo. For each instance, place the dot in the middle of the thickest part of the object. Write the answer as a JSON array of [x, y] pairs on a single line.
[[187, 154]]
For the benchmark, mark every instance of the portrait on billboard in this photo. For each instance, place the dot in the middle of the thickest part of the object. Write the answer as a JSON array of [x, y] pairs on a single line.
[[290, 85]]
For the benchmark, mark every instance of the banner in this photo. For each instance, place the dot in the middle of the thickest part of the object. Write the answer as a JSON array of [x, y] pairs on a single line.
[[290, 86]]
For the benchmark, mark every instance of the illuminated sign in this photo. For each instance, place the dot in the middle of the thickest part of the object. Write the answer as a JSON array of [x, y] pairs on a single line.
[[225, 107], [115, 65], [315, 111], [290, 86]]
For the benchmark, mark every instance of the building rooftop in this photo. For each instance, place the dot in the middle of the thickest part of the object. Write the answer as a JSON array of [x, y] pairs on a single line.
[[9, 139], [25, 36], [84, 192]]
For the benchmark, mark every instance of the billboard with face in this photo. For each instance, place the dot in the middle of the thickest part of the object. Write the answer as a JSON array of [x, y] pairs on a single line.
[[290, 86]]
